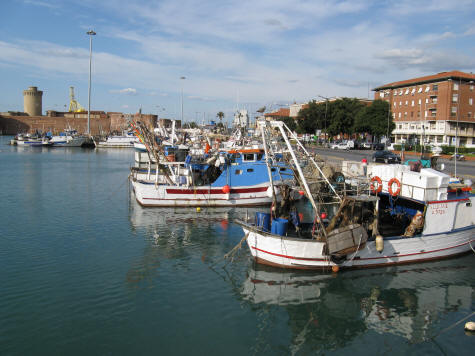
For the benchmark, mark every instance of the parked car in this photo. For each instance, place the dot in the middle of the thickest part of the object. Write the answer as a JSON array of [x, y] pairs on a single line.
[[366, 145], [459, 157], [386, 157], [340, 146], [378, 146], [436, 149]]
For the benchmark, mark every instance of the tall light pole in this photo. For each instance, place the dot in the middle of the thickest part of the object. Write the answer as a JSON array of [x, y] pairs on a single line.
[[182, 120], [90, 33]]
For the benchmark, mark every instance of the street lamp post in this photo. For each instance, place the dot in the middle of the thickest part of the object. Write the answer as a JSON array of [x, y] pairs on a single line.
[[182, 120], [90, 33]]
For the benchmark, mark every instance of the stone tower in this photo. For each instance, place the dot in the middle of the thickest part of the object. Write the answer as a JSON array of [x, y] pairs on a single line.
[[33, 101]]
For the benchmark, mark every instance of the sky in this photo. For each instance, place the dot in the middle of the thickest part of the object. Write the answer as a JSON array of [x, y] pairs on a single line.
[[232, 54]]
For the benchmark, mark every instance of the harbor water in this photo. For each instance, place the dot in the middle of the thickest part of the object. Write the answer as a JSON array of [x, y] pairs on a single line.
[[84, 270]]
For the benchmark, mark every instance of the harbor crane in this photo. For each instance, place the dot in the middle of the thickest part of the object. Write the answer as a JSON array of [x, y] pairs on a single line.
[[74, 106]]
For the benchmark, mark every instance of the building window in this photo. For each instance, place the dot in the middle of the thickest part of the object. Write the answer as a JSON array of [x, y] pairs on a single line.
[[471, 87], [399, 127], [381, 95], [470, 101], [400, 103], [420, 101], [407, 91], [427, 100], [413, 91], [412, 103], [427, 89], [455, 98], [412, 113], [469, 114], [418, 114], [453, 111], [435, 87], [395, 104], [456, 86], [406, 102], [399, 115], [405, 114], [420, 90]]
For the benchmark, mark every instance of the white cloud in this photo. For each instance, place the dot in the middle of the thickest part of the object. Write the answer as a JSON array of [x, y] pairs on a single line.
[[128, 91], [41, 3]]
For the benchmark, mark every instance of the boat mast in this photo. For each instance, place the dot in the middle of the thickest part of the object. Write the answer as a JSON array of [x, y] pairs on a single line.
[[280, 125], [262, 126], [313, 161]]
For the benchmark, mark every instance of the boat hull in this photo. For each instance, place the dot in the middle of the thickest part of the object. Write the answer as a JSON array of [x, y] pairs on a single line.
[[286, 252], [150, 194]]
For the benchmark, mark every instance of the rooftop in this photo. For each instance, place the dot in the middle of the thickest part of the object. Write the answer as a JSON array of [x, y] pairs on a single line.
[[454, 75]]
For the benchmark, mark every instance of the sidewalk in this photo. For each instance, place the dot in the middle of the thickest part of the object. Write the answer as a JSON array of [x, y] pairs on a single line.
[[417, 154]]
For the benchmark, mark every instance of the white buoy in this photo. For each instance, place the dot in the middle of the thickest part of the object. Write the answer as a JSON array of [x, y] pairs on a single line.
[[470, 326], [379, 243]]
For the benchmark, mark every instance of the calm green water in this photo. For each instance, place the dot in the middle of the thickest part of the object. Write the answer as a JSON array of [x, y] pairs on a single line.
[[84, 270]]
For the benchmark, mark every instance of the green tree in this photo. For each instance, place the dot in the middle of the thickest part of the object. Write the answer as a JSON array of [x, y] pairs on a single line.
[[375, 119], [290, 123], [220, 116], [311, 118], [341, 115]]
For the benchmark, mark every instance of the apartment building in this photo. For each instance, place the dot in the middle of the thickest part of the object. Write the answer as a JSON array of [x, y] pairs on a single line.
[[436, 109]]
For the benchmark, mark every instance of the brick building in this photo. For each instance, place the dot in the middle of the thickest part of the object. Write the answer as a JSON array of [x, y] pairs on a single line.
[[434, 109], [101, 123]]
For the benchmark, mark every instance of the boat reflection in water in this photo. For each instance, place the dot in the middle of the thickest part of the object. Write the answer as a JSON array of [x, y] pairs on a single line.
[[182, 237], [407, 301]]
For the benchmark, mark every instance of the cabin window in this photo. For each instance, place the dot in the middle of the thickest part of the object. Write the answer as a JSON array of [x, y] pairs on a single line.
[[282, 169], [248, 157], [272, 169], [250, 170], [238, 171]]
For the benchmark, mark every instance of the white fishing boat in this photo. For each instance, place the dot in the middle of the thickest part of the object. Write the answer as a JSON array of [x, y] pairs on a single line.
[[118, 141], [69, 138], [32, 140], [411, 218]]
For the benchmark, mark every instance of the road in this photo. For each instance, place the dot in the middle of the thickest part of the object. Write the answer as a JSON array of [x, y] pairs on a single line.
[[465, 169]]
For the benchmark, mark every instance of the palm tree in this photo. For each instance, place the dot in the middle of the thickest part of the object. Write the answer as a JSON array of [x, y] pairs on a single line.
[[220, 115]]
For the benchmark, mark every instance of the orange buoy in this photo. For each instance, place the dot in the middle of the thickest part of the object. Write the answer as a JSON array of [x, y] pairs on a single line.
[[226, 189], [335, 269], [379, 186], [390, 187]]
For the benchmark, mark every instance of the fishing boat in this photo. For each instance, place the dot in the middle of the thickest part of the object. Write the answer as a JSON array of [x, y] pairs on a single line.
[[126, 140], [69, 138], [32, 140], [407, 218], [235, 178]]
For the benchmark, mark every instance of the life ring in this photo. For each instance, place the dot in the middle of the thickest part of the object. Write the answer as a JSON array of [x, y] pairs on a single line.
[[380, 185], [390, 187]]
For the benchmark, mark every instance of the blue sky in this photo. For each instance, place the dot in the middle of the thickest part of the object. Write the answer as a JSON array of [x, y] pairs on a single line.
[[232, 53]]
